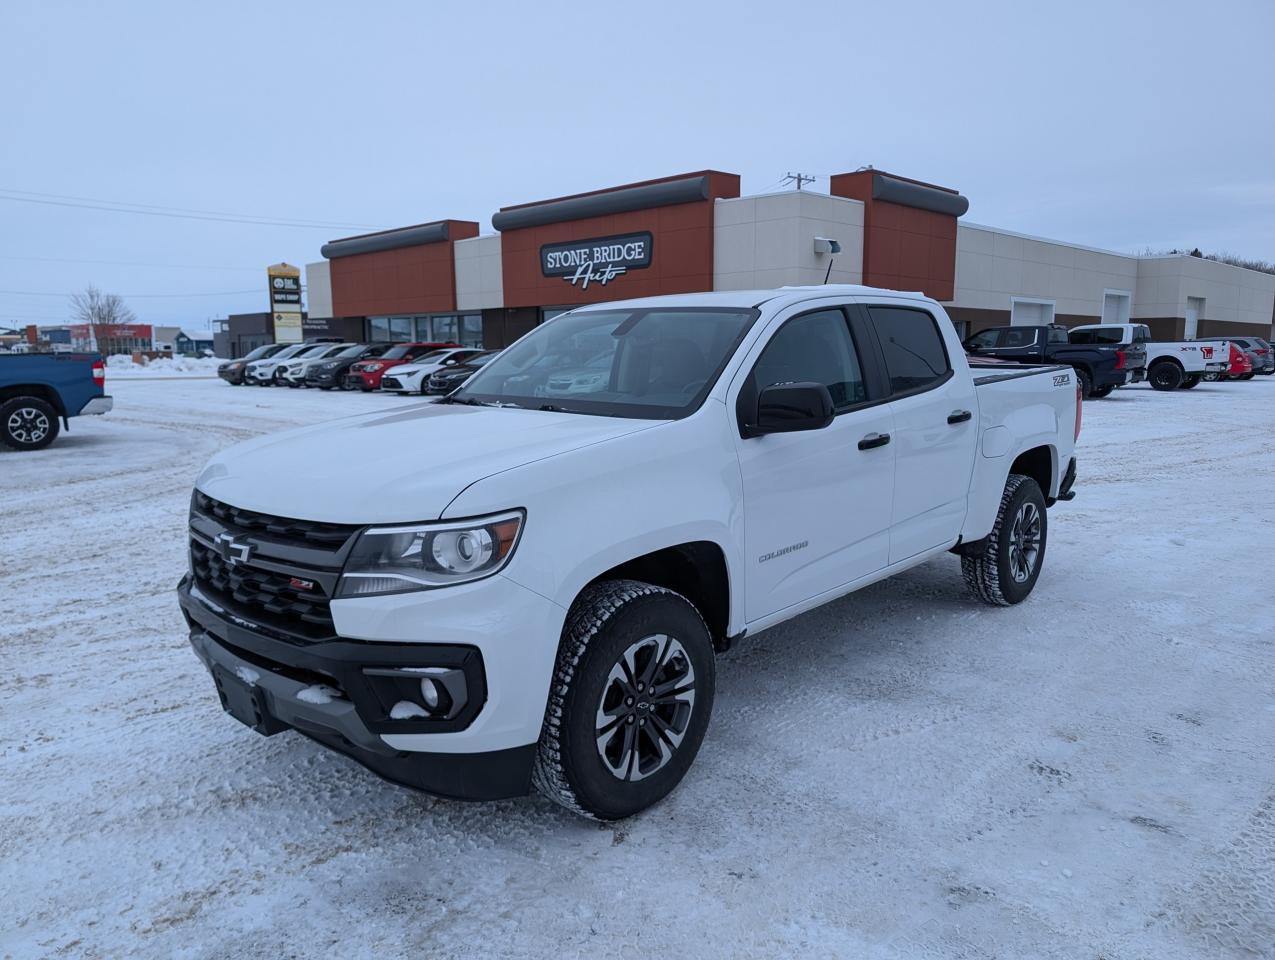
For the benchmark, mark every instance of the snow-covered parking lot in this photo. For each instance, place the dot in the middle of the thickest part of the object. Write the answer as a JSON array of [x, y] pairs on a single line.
[[902, 773]]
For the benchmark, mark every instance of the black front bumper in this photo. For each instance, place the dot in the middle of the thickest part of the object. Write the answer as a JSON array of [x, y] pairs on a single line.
[[352, 724], [232, 376]]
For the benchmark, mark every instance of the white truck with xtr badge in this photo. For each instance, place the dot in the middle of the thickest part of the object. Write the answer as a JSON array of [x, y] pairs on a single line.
[[515, 587]]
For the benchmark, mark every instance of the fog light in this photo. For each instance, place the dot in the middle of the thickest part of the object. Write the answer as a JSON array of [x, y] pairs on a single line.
[[429, 692]]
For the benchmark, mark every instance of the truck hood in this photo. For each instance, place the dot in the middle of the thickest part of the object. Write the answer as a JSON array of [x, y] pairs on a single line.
[[395, 467]]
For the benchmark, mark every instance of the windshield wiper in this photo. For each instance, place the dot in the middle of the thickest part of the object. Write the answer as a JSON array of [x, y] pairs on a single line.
[[475, 402]]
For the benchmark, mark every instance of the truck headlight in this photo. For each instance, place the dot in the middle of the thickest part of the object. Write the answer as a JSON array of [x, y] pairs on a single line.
[[428, 555]]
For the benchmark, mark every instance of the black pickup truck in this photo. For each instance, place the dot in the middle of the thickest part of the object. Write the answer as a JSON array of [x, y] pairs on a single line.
[[1100, 368]]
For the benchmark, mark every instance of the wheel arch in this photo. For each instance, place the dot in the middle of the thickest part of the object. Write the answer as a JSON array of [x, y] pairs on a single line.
[[1039, 463], [40, 391], [1159, 360], [697, 570]]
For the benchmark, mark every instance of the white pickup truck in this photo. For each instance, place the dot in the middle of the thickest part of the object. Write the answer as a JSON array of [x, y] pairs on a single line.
[[515, 588], [1169, 365]]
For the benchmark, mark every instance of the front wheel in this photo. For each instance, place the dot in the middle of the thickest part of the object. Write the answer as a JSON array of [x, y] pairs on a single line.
[[1191, 382], [630, 701], [1003, 569], [28, 423], [1247, 376]]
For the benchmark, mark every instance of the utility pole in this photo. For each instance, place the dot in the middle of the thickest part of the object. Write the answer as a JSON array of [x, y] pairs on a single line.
[[799, 179]]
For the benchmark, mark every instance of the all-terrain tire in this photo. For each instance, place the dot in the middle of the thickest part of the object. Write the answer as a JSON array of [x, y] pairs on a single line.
[[1085, 382], [1191, 382], [28, 423], [1165, 375], [989, 572], [606, 620]]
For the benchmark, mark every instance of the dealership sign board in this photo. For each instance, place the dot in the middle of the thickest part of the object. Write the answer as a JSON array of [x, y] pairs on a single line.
[[599, 260], [284, 285]]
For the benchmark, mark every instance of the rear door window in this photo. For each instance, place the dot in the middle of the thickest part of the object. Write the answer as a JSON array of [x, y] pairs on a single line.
[[912, 347], [1017, 337]]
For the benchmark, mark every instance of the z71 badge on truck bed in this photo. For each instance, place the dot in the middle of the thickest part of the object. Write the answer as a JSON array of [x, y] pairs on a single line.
[[537, 599]]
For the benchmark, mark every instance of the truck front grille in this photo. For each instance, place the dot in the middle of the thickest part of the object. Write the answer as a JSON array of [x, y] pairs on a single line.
[[278, 572], [307, 532], [258, 594]]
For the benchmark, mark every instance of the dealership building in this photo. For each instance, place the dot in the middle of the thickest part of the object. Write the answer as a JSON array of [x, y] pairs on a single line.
[[447, 280]]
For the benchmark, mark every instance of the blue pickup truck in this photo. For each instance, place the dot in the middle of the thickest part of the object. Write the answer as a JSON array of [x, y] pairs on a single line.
[[39, 389]]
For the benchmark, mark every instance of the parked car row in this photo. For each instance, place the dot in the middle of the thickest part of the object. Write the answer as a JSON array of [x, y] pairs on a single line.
[[1110, 355], [424, 367]]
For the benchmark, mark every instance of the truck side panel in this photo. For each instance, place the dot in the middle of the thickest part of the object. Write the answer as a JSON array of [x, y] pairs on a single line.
[[1016, 415]]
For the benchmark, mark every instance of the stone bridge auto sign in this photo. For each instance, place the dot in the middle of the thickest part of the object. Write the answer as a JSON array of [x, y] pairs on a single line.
[[600, 260]]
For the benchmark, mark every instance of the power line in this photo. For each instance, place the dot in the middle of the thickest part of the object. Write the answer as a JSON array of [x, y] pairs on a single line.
[[135, 296], [132, 263], [179, 213]]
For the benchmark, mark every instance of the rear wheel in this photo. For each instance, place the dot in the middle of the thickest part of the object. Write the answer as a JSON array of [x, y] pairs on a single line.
[[631, 697], [1212, 377], [1104, 391], [1192, 381], [1003, 569], [1085, 382], [28, 423], [1165, 375]]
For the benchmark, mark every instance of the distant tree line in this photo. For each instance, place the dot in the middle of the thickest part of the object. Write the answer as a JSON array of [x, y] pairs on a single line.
[[1248, 263]]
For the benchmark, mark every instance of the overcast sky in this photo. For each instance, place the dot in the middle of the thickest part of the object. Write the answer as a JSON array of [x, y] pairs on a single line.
[[1117, 125]]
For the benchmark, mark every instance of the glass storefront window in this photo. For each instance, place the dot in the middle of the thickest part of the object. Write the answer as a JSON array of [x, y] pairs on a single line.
[[445, 328], [378, 328], [401, 328], [471, 330]]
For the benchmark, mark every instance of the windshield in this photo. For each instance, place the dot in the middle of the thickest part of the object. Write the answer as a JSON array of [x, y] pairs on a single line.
[[291, 351], [651, 363], [260, 352], [314, 350], [433, 356], [397, 352], [353, 351]]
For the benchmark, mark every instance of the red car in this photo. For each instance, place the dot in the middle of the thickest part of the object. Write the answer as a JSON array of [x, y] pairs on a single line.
[[366, 374], [1241, 367]]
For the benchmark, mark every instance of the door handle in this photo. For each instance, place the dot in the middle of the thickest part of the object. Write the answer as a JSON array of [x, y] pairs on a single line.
[[874, 440], [959, 416]]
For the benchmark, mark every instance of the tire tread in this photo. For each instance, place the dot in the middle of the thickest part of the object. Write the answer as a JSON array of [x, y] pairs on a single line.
[[982, 570], [589, 615]]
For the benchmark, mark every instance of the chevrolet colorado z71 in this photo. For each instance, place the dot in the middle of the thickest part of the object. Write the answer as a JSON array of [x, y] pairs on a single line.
[[510, 588]]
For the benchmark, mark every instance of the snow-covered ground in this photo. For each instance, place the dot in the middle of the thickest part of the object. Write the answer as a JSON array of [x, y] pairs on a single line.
[[902, 773]]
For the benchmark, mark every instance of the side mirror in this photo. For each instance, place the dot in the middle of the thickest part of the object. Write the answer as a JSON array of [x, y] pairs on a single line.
[[789, 407]]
